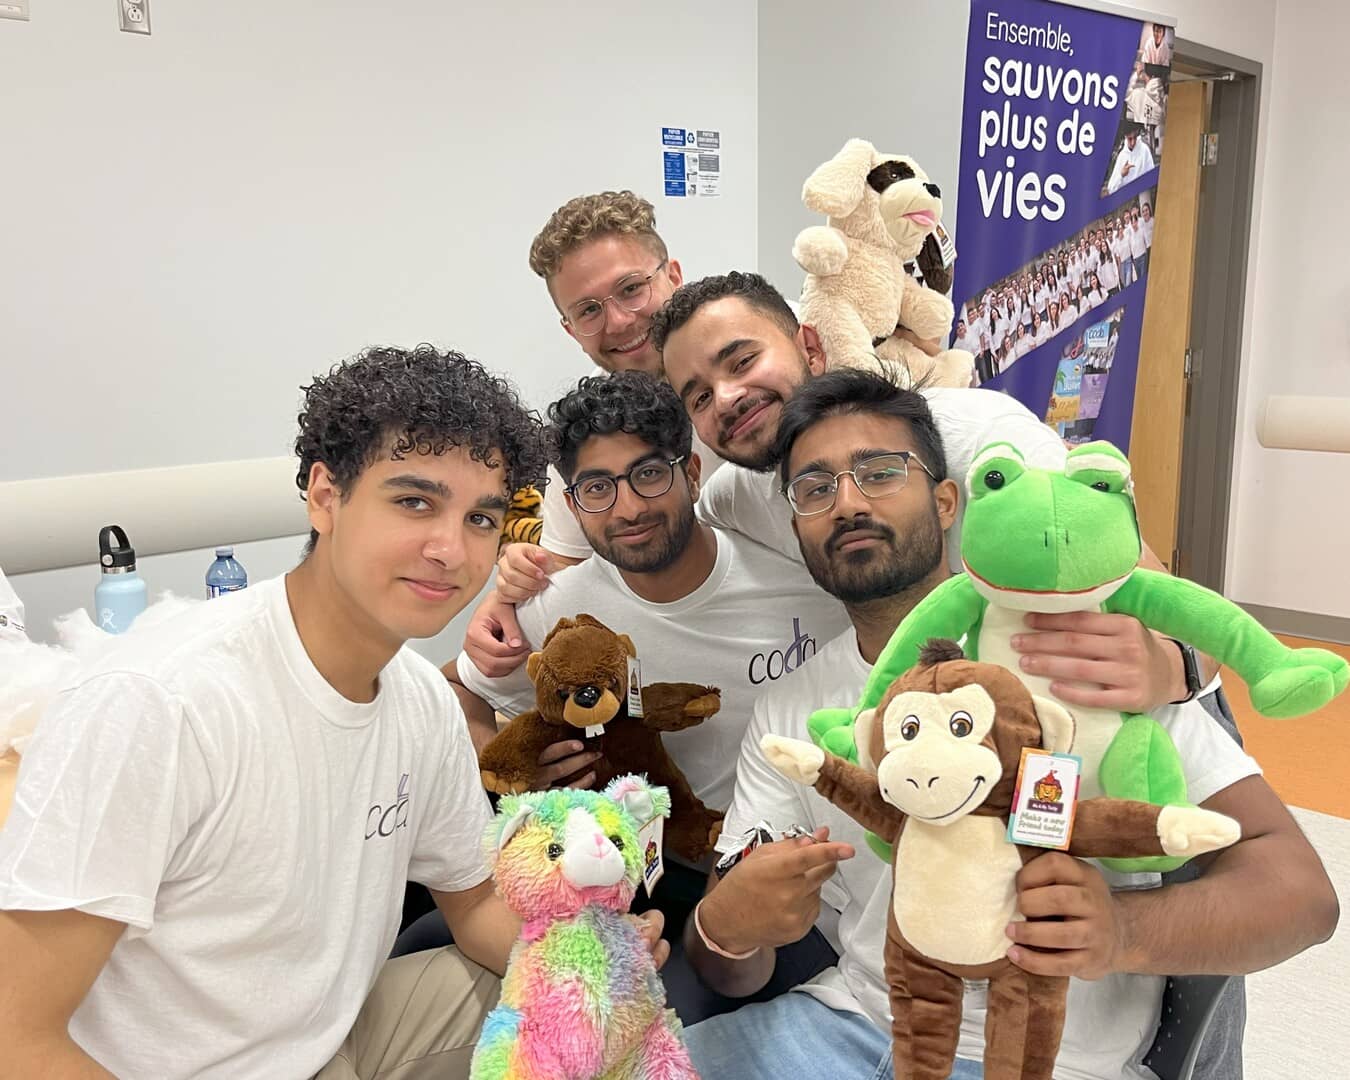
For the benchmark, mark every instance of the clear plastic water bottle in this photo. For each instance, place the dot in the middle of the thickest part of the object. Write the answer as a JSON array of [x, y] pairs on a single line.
[[225, 574], [121, 592]]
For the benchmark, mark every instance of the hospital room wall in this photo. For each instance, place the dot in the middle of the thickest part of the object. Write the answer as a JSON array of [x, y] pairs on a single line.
[[198, 221]]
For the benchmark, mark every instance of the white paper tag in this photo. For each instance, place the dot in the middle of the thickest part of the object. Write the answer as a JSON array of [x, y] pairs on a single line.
[[649, 842], [1045, 799], [945, 245], [634, 688], [595, 729]]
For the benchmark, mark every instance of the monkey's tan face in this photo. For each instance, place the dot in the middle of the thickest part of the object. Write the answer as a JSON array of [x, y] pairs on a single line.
[[939, 763]]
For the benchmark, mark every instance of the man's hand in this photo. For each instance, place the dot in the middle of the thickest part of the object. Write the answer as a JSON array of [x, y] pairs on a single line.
[[772, 896], [1073, 925], [1127, 169], [650, 924], [561, 760], [1127, 666], [493, 640], [523, 570]]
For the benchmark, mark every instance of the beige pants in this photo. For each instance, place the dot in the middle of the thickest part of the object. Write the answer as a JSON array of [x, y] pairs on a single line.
[[421, 1020]]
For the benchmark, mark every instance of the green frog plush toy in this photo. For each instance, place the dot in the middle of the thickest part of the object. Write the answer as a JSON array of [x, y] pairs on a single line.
[[1040, 540]]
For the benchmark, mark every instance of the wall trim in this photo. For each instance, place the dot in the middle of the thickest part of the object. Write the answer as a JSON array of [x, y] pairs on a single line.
[[1306, 624]]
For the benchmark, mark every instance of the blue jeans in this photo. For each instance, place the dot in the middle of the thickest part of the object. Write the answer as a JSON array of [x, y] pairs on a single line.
[[796, 1036]]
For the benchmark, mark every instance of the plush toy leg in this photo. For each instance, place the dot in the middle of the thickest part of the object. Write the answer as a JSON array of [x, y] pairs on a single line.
[[844, 336], [925, 1016], [1308, 679], [1142, 764], [662, 1055], [1023, 1025]]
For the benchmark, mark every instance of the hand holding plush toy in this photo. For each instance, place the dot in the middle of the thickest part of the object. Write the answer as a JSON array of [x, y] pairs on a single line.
[[581, 681], [581, 999], [938, 762]]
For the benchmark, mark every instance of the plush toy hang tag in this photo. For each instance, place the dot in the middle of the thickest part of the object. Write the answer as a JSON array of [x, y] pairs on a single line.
[[1045, 799], [649, 842], [634, 688], [945, 245]]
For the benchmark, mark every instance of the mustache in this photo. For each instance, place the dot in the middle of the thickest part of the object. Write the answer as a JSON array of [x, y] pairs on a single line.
[[724, 431], [867, 524], [646, 521]]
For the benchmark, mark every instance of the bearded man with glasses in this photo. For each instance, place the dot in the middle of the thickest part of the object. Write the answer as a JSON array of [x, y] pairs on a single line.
[[699, 604]]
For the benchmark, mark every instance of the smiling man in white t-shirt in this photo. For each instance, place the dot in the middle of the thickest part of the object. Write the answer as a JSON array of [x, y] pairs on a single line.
[[203, 871], [1116, 945]]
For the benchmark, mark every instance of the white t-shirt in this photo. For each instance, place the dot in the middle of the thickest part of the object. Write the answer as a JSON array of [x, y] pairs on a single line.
[[1147, 225], [1120, 246], [562, 534], [1141, 157], [967, 419], [254, 829], [1106, 274], [1138, 241], [1110, 1023], [754, 621]]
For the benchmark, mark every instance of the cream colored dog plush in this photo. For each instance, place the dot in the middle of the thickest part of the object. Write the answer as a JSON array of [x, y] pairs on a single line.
[[881, 209]]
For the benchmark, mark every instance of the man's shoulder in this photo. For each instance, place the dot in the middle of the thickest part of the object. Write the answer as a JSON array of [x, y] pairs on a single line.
[[569, 591], [970, 418]]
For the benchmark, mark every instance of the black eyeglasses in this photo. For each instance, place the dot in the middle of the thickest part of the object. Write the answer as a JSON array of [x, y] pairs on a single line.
[[877, 477], [650, 479], [587, 317]]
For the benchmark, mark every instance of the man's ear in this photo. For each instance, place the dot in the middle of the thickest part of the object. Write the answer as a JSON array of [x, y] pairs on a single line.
[[675, 273], [693, 468], [533, 664], [321, 498], [627, 644], [1057, 725], [808, 341], [947, 496]]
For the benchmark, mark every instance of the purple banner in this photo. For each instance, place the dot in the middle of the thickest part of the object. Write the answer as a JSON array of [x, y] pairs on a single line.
[[1061, 137]]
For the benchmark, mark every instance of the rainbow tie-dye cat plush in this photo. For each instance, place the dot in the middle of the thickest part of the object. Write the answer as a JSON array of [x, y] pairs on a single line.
[[581, 999]]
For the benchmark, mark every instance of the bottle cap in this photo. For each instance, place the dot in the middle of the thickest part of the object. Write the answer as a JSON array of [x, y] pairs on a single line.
[[224, 553], [115, 553]]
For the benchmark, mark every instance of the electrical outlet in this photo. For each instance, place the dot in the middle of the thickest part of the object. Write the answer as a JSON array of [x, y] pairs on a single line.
[[14, 9], [134, 16]]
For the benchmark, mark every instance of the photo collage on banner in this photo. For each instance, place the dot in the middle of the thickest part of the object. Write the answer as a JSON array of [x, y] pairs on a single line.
[[1062, 135]]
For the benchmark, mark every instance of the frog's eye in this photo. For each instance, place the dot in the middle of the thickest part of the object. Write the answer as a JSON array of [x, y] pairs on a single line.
[[1100, 466], [994, 470]]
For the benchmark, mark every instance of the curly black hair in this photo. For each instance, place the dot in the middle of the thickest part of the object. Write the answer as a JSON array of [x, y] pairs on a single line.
[[404, 401], [628, 401], [688, 298]]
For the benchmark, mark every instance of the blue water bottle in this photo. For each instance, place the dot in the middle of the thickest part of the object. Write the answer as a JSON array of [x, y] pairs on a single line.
[[225, 574], [120, 595]]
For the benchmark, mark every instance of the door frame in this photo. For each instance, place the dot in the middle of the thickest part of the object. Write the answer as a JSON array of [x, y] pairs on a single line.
[[1222, 257]]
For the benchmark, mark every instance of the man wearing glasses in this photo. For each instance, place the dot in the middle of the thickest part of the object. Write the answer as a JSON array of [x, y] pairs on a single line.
[[866, 482], [700, 604]]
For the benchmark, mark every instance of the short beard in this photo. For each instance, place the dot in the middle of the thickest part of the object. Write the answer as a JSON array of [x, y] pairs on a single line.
[[877, 573], [659, 553]]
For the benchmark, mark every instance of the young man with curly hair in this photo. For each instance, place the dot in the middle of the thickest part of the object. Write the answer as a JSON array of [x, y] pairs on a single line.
[[203, 871]]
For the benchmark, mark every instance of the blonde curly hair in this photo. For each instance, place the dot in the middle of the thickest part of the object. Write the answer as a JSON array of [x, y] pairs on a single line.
[[587, 216]]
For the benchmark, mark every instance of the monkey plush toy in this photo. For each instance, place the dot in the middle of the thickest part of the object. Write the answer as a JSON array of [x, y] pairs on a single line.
[[938, 764]]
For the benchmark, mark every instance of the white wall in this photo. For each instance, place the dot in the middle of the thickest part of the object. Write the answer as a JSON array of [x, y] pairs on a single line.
[[892, 73], [197, 221]]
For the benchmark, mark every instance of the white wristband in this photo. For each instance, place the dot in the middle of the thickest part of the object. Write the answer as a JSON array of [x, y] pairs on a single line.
[[713, 946]]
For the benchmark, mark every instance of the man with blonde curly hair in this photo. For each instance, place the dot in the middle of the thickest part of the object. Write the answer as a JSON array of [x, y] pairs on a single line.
[[607, 271]]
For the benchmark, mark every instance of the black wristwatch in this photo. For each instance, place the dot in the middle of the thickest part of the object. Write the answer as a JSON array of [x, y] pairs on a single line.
[[1192, 668]]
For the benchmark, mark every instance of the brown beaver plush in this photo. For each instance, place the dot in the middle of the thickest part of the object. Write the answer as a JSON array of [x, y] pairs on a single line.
[[581, 683], [936, 779]]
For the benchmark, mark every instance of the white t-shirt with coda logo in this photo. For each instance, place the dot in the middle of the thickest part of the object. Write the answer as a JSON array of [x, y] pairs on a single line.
[[755, 620], [253, 828]]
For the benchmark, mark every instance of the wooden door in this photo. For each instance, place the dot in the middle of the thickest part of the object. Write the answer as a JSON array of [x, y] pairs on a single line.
[[1160, 389]]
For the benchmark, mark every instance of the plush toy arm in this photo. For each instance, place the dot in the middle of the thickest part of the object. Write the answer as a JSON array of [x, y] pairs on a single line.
[[949, 611], [676, 706], [925, 311], [851, 788], [820, 250], [1121, 829], [1283, 681], [508, 762]]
